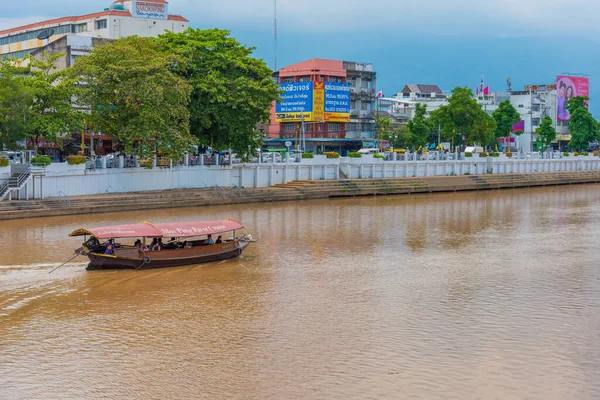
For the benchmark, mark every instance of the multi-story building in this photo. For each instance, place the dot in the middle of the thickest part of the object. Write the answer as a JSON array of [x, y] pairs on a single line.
[[123, 18], [362, 80], [363, 99]]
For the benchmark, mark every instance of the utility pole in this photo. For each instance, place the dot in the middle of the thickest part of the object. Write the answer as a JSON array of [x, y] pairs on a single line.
[[275, 35]]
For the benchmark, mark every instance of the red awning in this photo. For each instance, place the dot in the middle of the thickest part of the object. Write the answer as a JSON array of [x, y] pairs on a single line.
[[175, 229], [120, 231], [191, 229]]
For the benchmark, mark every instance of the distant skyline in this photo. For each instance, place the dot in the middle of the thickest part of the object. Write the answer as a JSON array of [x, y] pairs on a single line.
[[447, 43]]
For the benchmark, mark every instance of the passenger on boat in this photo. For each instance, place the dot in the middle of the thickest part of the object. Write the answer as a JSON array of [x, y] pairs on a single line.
[[160, 244], [154, 245], [219, 240], [110, 247], [141, 248], [172, 245], [209, 240]]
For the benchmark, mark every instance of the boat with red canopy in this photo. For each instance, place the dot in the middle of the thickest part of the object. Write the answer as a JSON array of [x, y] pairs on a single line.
[[173, 244]]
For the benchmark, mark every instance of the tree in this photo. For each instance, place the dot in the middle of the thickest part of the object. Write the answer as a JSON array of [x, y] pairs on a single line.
[[463, 116], [51, 111], [135, 97], [232, 91], [15, 100], [582, 125], [505, 116], [419, 126], [546, 132]]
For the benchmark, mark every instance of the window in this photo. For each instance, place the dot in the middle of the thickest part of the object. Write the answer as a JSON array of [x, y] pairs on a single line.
[[353, 105], [287, 80], [364, 84], [102, 24], [333, 127], [289, 127], [521, 106], [535, 122], [304, 78], [535, 107], [336, 79], [21, 37], [364, 106], [80, 28]]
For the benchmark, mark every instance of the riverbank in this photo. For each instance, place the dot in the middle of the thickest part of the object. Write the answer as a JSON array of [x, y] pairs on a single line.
[[293, 191]]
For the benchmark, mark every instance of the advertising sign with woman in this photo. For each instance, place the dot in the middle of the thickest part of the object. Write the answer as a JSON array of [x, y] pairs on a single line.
[[568, 87]]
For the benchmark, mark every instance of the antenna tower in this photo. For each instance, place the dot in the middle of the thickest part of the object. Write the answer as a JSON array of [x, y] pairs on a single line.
[[275, 33]]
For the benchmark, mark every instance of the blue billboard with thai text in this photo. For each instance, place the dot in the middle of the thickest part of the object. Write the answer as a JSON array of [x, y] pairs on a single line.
[[296, 102], [337, 102]]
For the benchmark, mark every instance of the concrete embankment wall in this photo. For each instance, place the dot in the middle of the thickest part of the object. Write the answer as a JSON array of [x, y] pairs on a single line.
[[65, 180], [299, 190]]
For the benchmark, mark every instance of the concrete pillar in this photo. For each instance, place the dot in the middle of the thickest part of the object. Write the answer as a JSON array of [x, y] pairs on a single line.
[[312, 172], [361, 172], [121, 162], [202, 159], [242, 169], [154, 161], [186, 160], [256, 172], [372, 170]]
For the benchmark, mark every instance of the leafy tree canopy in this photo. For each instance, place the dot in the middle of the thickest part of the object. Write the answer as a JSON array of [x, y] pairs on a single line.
[[464, 116], [546, 131], [135, 97], [419, 126], [582, 125], [232, 91], [505, 116]]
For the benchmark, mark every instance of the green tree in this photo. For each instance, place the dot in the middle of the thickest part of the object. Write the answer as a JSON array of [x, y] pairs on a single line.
[[51, 112], [135, 97], [419, 126], [582, 125], [463, 116], [399, 137], [15, 99], [546, 132], [232, 91], [505, 116]]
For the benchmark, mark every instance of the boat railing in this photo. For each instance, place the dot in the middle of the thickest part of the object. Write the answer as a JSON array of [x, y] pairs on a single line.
[[64, 198]]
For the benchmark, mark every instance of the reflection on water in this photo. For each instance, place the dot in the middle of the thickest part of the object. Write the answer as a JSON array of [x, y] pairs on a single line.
[[469, 295]]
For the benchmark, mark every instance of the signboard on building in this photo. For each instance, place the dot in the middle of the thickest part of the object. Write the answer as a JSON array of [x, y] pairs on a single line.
[[568, 87], [296, 102], [337, 102], [316, 101], [149, 9]]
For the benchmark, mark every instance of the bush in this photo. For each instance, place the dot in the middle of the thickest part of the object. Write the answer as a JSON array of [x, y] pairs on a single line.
[[401, 151], [595, 154], [377, 155], [583, 153], [354, 154], [566, 154], [483, 154], [75, 160], [331, 154], [509, 154], [4, 162], [468, 154], [307, 155], [40, 160], [576, 154], [494, 154]]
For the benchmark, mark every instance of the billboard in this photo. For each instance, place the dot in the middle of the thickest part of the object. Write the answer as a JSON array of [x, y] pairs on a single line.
[[568, 87], [150, 9], [316, 101], [337, 102], [296, 101]]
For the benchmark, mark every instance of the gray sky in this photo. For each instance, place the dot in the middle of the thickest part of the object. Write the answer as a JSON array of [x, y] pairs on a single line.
[[442, 17]]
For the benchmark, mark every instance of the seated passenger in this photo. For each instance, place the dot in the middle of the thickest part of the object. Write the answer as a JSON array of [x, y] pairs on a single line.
[[154, 245], [219, 240], [141, 249], [110, 247], [209, 240]]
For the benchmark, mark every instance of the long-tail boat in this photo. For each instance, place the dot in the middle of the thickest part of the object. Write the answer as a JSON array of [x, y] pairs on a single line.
[[182, 243]]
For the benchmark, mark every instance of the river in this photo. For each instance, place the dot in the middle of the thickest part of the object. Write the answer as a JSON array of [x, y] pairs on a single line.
[[491, 295]]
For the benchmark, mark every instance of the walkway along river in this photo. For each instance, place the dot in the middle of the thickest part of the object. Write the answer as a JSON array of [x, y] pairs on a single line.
[[469, 295]]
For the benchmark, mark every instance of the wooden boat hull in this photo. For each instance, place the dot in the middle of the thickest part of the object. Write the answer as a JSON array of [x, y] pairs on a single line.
[[129, 259]]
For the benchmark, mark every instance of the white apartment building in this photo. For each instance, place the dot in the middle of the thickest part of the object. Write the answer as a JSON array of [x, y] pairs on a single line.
[[123, 18]]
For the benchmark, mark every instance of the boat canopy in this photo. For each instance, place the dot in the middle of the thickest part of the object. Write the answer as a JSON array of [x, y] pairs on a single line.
[[174, 229]]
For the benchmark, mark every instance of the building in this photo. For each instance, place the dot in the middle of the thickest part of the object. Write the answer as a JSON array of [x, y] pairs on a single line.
[[363, 99], [123, 18], [354, 119]]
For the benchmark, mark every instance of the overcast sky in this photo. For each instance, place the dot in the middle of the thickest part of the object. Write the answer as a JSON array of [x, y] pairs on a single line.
[[451, 17]]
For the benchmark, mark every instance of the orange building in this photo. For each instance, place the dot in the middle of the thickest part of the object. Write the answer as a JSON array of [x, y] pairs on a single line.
[[315, 70]]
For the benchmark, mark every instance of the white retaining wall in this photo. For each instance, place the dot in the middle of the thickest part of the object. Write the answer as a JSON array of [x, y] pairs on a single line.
[[62, 179]]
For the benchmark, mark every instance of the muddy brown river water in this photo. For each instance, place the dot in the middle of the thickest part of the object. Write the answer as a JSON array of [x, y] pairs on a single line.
[[491, 295]]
